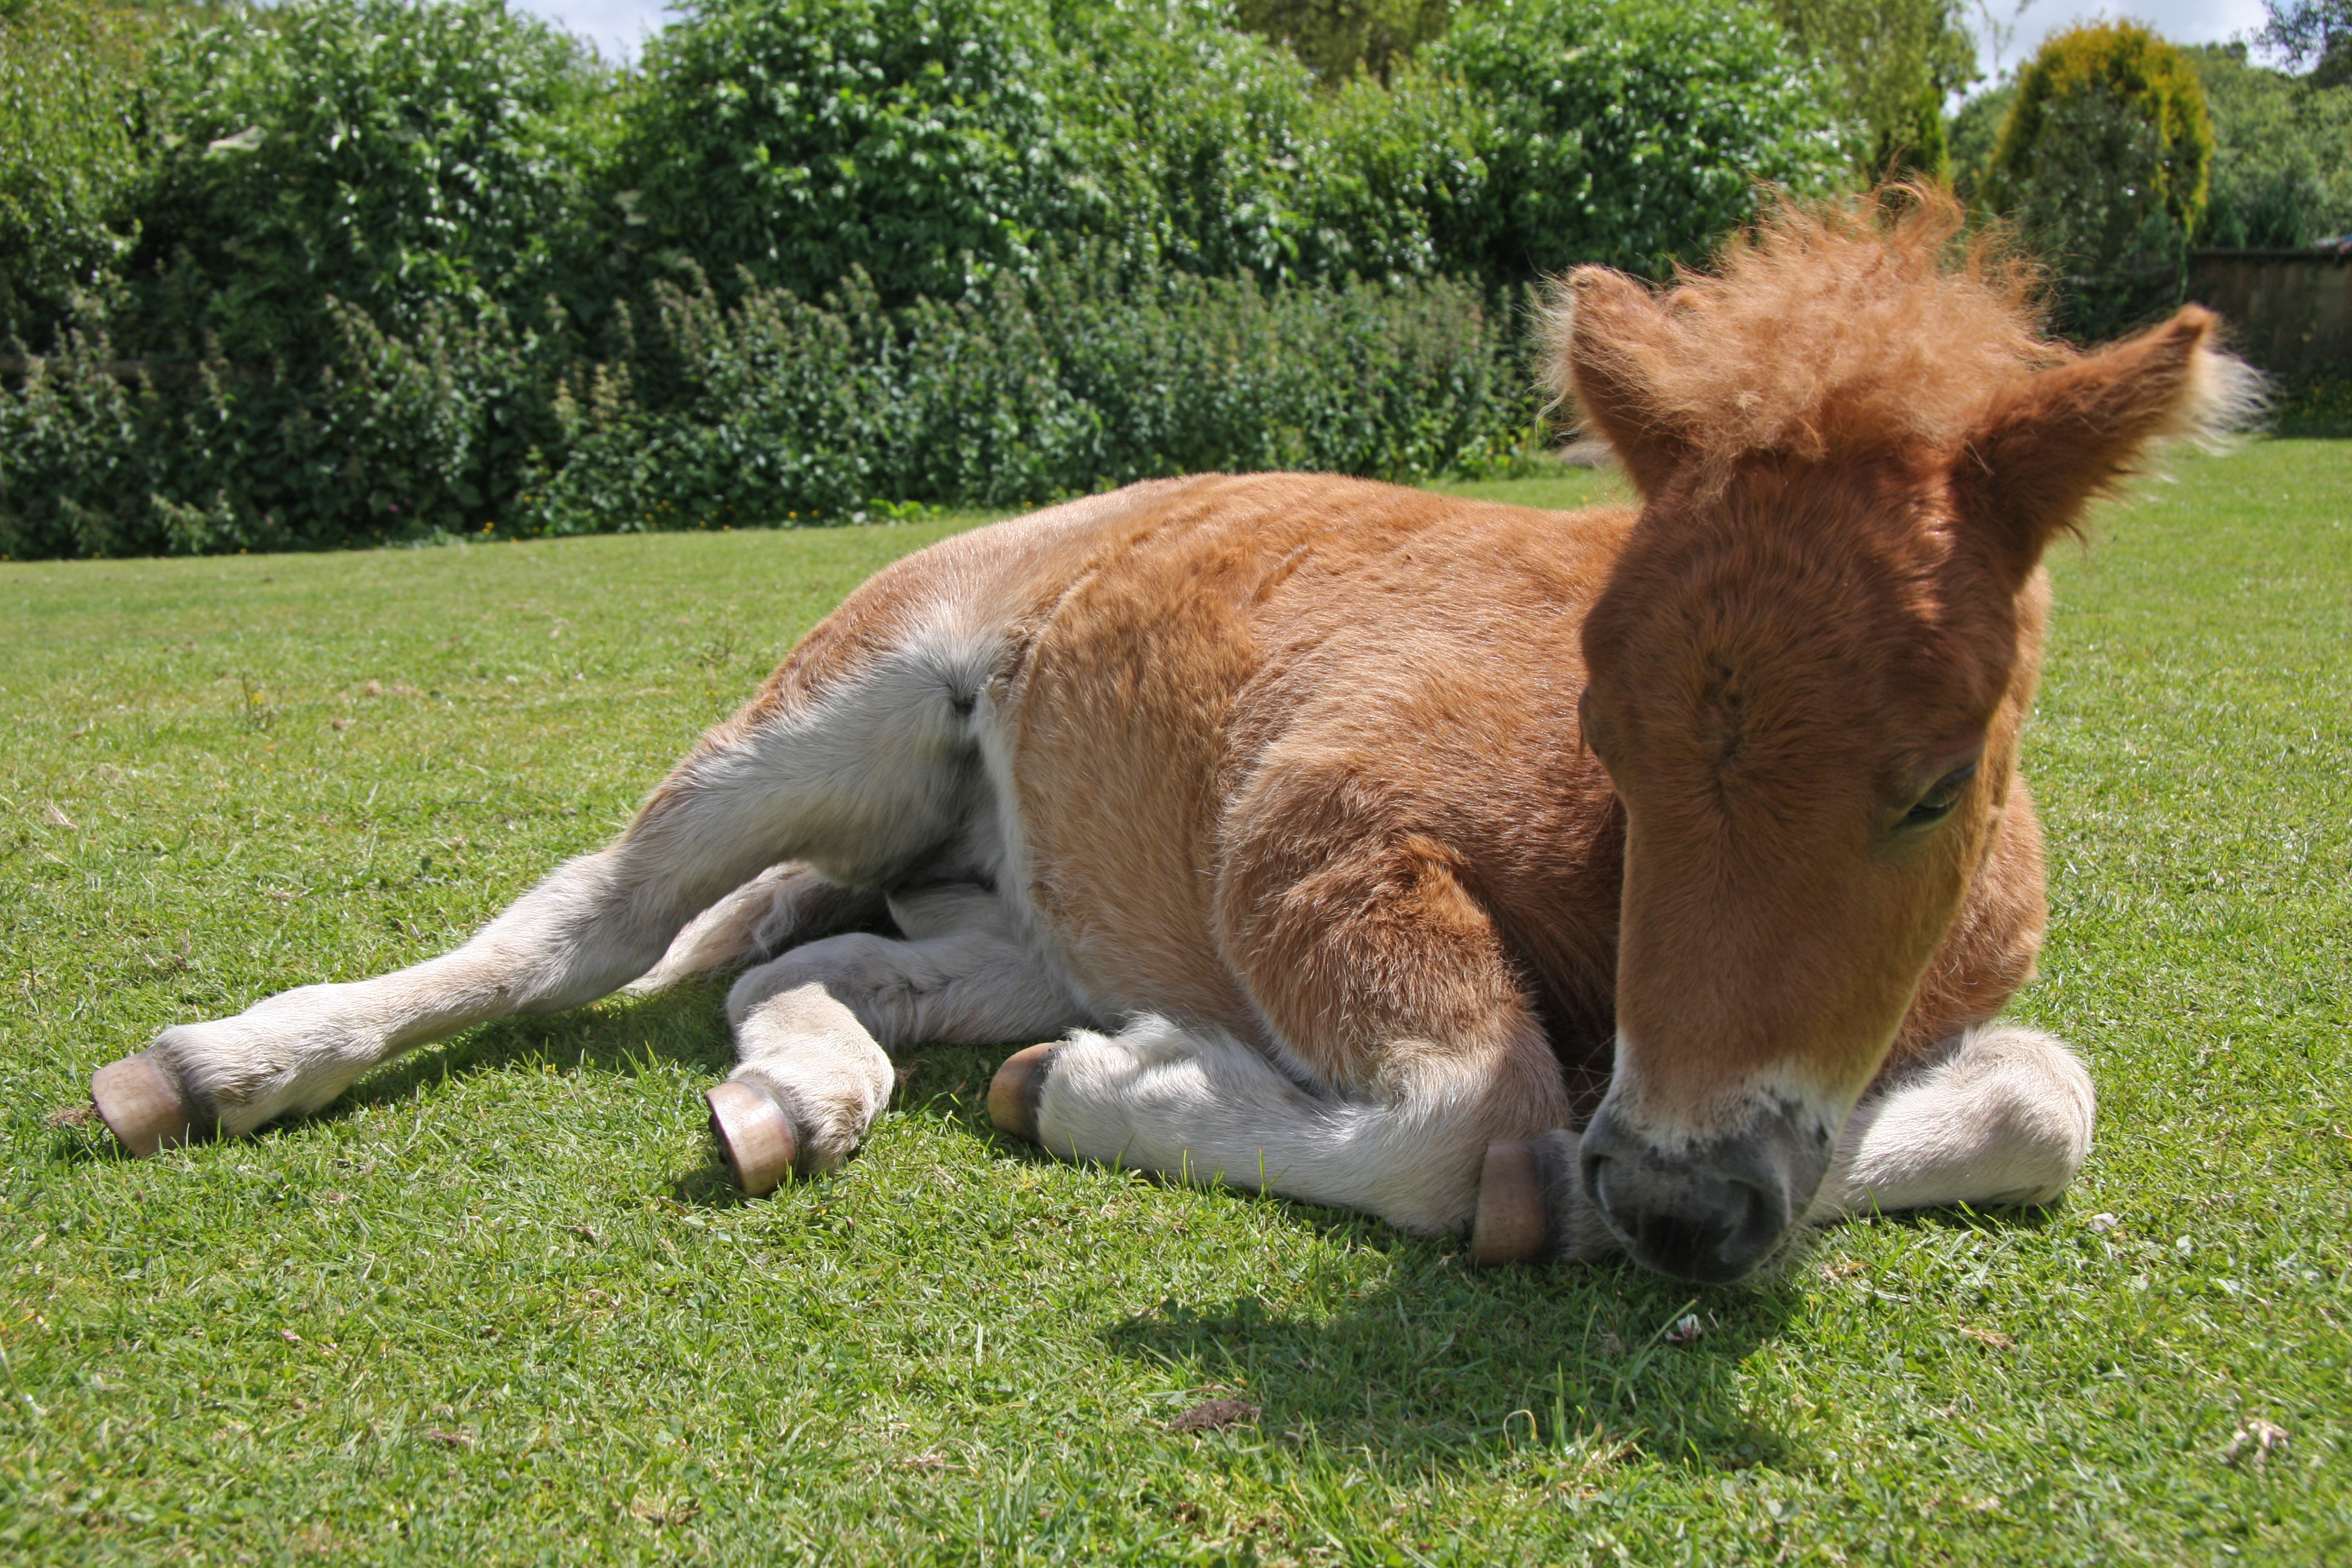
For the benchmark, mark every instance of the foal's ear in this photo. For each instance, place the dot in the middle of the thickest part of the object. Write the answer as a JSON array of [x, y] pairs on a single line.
[[1606, 328], [2052, 442]]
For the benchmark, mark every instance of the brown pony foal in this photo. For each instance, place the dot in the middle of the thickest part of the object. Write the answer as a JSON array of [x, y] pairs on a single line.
[[1347, 841]]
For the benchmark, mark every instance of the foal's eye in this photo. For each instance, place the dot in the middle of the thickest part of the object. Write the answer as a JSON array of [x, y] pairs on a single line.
[[1938, 803]]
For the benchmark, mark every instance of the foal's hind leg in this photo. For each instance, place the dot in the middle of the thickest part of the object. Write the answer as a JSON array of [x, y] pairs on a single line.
[[864, 778], [781, 907], [813, 1027], [2003, 1116]]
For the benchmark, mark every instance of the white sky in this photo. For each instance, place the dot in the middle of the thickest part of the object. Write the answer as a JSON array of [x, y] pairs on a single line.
[[619, 27], [2182, 21]]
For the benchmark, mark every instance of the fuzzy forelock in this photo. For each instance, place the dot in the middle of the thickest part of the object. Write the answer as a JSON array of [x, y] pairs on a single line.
[[1830, 330]]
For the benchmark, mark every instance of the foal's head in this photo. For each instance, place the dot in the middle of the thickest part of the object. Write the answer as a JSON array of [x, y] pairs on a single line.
[[1808, 669]]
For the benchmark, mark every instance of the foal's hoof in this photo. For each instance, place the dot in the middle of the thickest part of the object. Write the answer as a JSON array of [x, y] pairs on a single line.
[[143, 1107], [754, 1134], [1513, 1225], [1013, 1092]]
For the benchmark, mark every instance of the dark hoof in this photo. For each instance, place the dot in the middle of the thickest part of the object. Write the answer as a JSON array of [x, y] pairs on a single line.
[[754, 1134], [1012, 1093], [1514, 1224], [143, 1107]]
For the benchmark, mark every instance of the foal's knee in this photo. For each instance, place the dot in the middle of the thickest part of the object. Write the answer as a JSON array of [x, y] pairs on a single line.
[[2004, 1118], [2041, 1098]]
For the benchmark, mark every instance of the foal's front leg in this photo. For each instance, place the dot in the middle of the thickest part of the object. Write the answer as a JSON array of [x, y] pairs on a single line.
[[1200, 1106], [2002, 1114], [1394, 1003]]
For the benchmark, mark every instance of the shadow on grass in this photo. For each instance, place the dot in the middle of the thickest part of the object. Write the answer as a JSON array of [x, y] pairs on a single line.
[[1442, 1366], [684, 1025]]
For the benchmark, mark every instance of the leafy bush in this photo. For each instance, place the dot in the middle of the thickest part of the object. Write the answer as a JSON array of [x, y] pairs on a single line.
[[69, 83], [395, 155], [392, 438], [414, 266], [1209, 152], [1629, 133], [1192, 146], [2282, 153], [1077, 378], [800, 139], [933, 144], [1403, 183], [2105, 159]]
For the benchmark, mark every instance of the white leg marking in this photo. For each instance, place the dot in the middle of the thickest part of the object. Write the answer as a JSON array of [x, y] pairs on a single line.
[[863, 782], [1200, 1105], [2003, 1118], [813, 1027]]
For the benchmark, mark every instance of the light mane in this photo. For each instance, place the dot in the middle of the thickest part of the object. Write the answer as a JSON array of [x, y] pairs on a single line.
[[1831, 331]]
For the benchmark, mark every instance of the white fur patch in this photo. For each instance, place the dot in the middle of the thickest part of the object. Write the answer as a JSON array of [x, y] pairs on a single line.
[[2004, 1118], [1200, 1105]]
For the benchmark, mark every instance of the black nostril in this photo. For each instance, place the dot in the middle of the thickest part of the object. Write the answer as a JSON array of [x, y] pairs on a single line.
[[1594, 1169], [1711, 1230], [1710, 1213], [1759, 1219]]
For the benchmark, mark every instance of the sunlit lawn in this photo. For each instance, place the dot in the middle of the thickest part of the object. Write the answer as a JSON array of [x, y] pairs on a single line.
[[499, 1305]]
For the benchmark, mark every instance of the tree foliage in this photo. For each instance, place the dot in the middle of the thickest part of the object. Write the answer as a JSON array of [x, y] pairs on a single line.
[[1895, 63], [2282, 153], [2105, 159], [2316, 32]]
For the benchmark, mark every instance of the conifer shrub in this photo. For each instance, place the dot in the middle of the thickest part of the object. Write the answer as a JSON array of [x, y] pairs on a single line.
[[2105, 159]]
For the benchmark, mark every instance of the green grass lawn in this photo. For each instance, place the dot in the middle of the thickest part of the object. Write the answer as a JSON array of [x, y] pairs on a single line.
[[500, 1304]]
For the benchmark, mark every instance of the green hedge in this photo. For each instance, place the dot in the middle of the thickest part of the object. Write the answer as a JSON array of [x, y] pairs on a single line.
[[370, 269], [1076, 378], [69, 110]]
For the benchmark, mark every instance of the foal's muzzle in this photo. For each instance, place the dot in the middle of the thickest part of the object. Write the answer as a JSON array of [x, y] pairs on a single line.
[[1714, 1211]]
